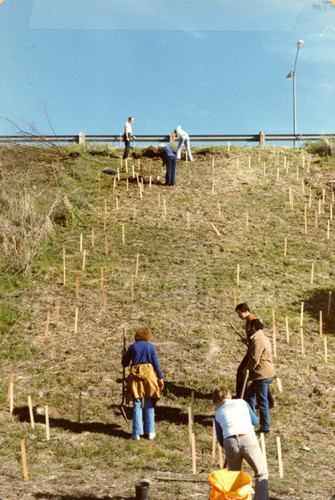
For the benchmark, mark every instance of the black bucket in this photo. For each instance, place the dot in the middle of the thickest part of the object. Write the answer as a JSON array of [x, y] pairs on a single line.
[[142, 490]]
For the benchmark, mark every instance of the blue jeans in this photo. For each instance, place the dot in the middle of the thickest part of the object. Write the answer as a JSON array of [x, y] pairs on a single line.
[[149, 416], [186, 142], [258, 392], [247, 447]]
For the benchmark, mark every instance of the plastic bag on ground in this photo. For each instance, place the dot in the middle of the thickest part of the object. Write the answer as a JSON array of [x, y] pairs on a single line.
[[230, 485]]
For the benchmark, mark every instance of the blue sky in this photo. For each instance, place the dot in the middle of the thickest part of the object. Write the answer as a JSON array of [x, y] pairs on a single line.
[[213, 66]]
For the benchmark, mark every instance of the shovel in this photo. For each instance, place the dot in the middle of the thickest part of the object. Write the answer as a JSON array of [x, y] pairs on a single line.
[[122, 410]]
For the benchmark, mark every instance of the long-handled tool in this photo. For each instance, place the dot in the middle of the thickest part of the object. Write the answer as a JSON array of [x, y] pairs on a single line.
[[122, 410], [236, 331]]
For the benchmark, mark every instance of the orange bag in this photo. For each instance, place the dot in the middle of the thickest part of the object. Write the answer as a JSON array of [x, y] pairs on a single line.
[[230, 485]]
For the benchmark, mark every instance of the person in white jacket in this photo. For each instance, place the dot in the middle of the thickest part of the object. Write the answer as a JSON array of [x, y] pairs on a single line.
[[184, 140]]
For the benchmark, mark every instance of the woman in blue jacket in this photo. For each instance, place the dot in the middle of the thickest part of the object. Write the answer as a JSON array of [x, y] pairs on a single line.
[[145, 381]]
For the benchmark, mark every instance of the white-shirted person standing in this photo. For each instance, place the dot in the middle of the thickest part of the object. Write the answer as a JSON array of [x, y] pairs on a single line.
[[234, 421]]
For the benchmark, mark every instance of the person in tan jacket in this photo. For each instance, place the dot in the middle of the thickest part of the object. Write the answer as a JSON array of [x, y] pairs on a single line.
[[261, 372]]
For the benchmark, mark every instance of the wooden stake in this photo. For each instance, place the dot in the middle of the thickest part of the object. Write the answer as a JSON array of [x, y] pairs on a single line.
[[329, 302], [11, 395], [213, 441], [190, 423], [328, 229], [323, 196], [263, 447], [316, 218], [219, 207], [249, 161], [105, 216], [102, 288], [84, 260], [188, 220], [64, 267], [320, 323], [287, 330], [127, 184], [326, 348], [57, 316], [331, 212], [164, 206], [220, 456], [274, 334], [302, 343], [137, 264], [132, 286], [301, 314], [194, 460], [123, 234], [76, 320], [79, 408], [285, 247], [133, 168], [92, 237], [118, 174], [238, 275], [47, 423], [312, 273], [31, 413], [192, 406], [77, 287], [126, 162], [150, 181], [106, 244], [47, 323], [305, 218], [234, 298], [228, 146], [215, 229], [24, 460], [81, 242], [280, 461]]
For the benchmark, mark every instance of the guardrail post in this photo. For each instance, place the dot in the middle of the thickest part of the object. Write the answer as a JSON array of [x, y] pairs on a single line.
[[262, 139], [81, 139]]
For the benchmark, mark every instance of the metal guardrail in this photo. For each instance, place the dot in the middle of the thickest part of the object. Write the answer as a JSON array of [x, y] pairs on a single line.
[[260, 138]]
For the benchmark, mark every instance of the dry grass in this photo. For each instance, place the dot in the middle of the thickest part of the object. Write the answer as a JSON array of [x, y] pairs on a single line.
[[184, 292]]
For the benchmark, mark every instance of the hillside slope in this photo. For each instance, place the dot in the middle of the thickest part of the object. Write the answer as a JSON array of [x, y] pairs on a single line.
[[250, 220]]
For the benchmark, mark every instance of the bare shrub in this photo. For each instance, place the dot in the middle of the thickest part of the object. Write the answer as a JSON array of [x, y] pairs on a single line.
[[22, 229]]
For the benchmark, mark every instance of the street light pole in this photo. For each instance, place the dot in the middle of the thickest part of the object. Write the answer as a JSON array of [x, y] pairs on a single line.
[[290, 76]]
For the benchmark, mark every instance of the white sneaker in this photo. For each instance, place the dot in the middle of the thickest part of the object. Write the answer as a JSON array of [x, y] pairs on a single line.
[[136, 437], [151, 435]]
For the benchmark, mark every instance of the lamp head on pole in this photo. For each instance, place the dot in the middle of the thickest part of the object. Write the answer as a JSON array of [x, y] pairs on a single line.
[[300, 44], [289, 76]]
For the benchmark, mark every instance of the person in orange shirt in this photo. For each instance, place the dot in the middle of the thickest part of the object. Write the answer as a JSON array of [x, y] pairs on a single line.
[[243, 311]]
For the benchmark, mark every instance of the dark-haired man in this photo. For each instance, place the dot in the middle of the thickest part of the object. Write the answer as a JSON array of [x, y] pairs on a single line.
[[261, 372], [243, 311]]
